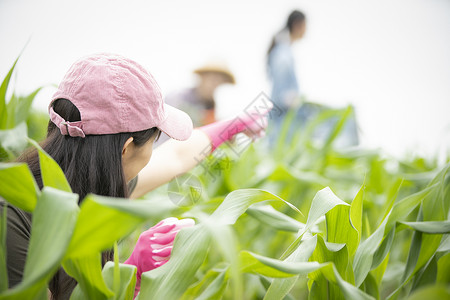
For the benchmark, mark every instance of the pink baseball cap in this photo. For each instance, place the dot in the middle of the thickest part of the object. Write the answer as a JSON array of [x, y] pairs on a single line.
[[115, 94]]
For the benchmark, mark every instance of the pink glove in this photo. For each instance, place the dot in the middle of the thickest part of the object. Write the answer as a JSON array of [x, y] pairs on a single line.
[[253, 123], [154, 246]]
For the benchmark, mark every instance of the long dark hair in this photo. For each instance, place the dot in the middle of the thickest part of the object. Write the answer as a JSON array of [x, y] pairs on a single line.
[[91, 165], [295, 17]]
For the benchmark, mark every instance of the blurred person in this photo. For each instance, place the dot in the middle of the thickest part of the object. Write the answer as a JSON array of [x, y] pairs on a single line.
[[104, 118], [286, 92], [281, 68], [198, 101], [281, 62]]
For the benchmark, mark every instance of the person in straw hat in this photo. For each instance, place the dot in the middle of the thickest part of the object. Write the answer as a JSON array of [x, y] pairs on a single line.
[[198, 101]]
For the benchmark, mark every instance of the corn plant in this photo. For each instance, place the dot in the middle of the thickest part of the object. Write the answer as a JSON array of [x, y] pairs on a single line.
[[300, 220], [15, 119]]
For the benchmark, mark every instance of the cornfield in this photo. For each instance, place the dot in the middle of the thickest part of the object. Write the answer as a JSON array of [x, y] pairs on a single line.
[[301, 220]]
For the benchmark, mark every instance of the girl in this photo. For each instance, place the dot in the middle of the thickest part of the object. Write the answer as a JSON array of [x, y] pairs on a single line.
[[106, 114]]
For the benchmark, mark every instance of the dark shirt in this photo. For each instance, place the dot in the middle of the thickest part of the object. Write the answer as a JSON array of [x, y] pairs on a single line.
[[18, 234]]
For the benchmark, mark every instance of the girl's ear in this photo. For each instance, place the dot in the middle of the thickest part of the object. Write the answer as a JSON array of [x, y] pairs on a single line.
[[127, 145]]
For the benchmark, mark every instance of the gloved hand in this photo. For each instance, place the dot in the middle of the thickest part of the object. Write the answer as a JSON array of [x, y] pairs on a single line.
[[253, 123], [154, 246]]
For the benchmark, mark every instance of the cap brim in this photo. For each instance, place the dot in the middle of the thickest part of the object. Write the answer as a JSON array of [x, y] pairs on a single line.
[[177, 124]]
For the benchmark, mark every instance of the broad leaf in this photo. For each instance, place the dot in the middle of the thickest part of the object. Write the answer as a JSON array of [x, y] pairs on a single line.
[[172, 279], [19, 107], [87, 271], [211, 286], [51, 172], [52, 226], [237, 202], [323, 202], [280, 287], [14, 140], [127, 282], [104, 220], [433, 227], [266, 214], [3, 89], [17, 185]]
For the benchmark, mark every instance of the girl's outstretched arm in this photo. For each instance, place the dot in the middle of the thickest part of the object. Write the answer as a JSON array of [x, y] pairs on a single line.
[[171, 159], [174, 158]]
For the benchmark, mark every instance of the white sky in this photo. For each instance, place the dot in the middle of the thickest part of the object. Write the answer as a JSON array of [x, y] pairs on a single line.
[[389, 58]]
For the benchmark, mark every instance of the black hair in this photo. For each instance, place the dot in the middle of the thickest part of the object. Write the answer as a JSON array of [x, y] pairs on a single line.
[[92, 164], [294, 18]]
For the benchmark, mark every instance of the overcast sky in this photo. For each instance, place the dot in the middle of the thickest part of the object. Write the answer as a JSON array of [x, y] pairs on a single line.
[[389, 58]]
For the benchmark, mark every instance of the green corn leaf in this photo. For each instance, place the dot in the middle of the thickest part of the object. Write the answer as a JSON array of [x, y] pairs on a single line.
[[17, 185], [145, 209], [413, 256], [3, 89], [405, 206], [171, 280], [337, 129], [383, 249], [116, 271], [282, 135], [356, 210], [63, 209], [266, 214], [270, 267], [37, 123], [104, 220], [338, 255], [51, 172], [362, 262], [280, 287], [431, 292], [237, 202], [443, 264], [215, 289], [371, 287], [379, 271], [432, 227], [125, 286], [434, 209], [87, 271], [225, 240], [445, 244], [424, 245], [392, 195], [211, 286], [285, 173], [14, 140], [426, 275], [285, 268], [348, 290], [340, 229], [18, 108], [323, 202], [53, 222]]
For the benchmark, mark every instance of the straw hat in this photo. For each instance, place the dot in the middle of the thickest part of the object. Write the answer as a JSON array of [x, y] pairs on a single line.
[[217, 67]]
